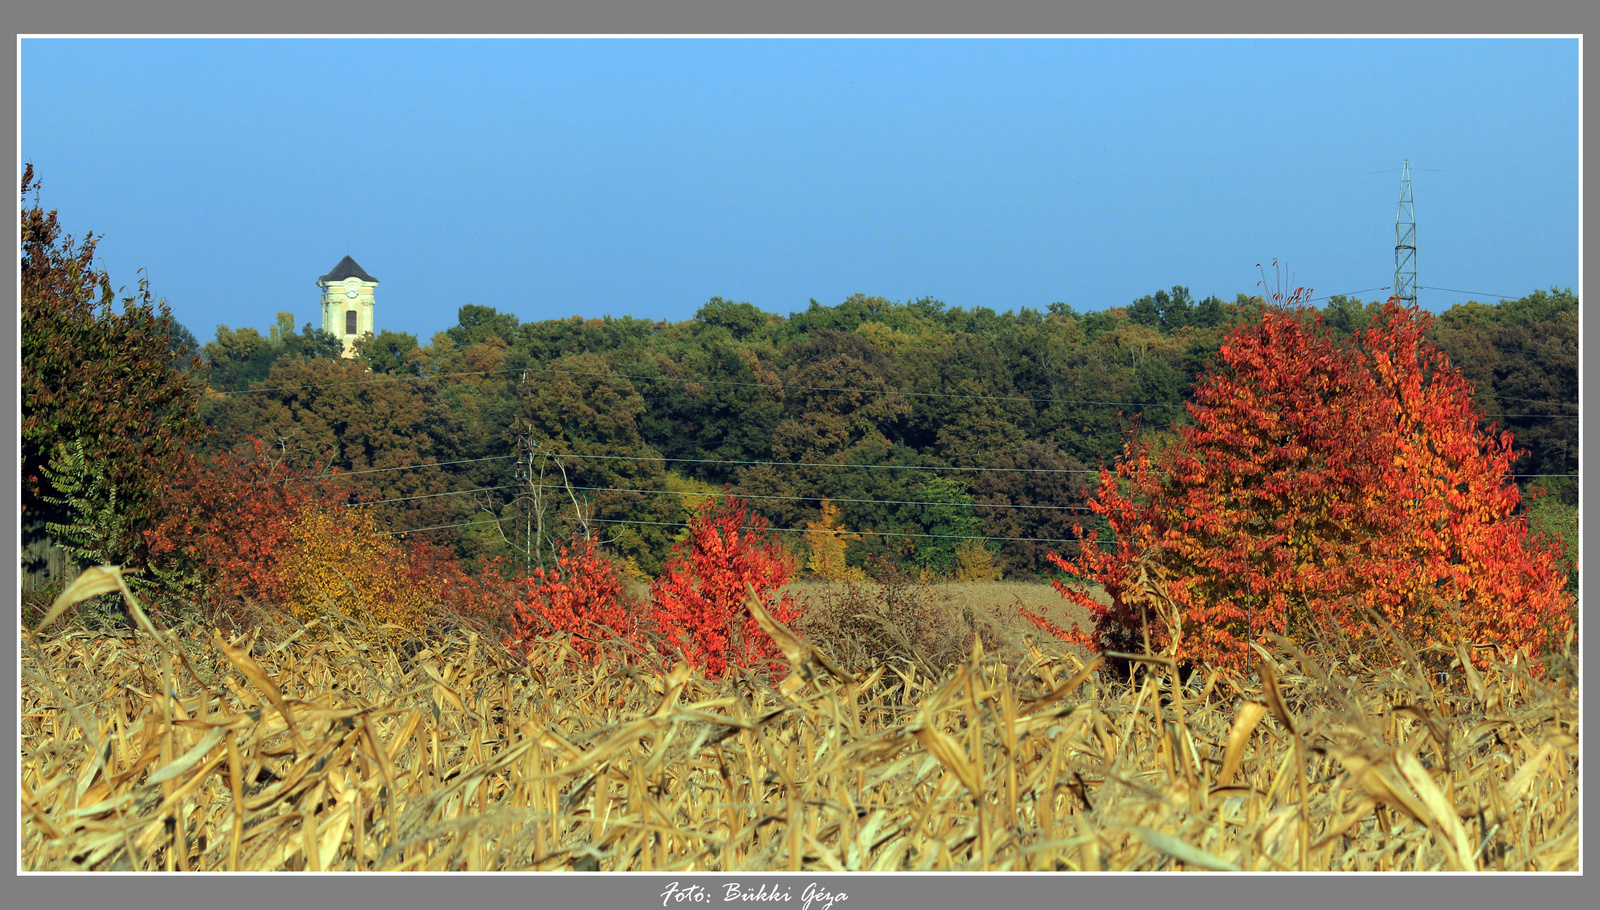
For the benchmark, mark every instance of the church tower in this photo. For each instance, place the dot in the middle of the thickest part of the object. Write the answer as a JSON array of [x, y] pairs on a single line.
[[347, 303]]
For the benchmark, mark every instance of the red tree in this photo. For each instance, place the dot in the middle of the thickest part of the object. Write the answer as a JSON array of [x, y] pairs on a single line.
[[698, 602], [582, 595], [1318, 482], [226, 523]]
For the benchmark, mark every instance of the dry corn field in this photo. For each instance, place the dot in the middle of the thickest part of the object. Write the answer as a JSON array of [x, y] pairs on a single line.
[[182, 749]]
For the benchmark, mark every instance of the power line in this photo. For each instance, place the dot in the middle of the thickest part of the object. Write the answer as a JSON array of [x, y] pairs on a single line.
[[1351, 293], [888, 502], [464, 524], [680, 524], [820, 464], [1476, 293], [800, 498], [1032, 399], [1566, 404], [386, 377], [723, 382], [431, 464], [380, 502], [768, 496]]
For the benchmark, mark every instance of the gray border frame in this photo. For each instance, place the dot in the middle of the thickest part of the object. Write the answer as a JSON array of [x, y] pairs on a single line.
[[639, 17]]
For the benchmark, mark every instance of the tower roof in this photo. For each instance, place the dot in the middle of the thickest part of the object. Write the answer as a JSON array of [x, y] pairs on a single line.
[[347, 268]]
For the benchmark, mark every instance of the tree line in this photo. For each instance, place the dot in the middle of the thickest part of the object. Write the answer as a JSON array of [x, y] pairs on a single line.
[[911, 418], [952, 441]]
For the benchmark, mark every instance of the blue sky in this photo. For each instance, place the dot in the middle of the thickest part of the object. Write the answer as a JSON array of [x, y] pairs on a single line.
[[642, 177]]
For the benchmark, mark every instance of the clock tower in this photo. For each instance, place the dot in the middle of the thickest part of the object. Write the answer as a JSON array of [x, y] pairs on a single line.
[[347, 303]]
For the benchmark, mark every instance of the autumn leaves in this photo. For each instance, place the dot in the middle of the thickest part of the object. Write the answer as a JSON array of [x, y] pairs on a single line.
[[1320, 488]]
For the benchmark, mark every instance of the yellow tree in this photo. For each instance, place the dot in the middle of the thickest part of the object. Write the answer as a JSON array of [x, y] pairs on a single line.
[[826, 539], [342, 561]]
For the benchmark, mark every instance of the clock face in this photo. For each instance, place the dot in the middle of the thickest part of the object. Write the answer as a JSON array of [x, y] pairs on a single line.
[[352, 292]]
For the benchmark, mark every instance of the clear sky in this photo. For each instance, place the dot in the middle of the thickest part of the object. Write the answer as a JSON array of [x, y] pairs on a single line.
[[641, 177]]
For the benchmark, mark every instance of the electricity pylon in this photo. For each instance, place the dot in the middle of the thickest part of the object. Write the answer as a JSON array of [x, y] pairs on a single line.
[[1405, 244]]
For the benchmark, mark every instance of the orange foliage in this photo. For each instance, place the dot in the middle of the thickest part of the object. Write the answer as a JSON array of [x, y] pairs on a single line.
[[341, 560], [1319, 482]]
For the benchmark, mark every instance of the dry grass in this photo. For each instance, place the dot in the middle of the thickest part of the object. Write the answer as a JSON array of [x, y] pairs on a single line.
[[182, 750]]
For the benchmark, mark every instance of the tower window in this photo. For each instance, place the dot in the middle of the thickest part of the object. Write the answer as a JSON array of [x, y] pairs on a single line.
[[349, 322]]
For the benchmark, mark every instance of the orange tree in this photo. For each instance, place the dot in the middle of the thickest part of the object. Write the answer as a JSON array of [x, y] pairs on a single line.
[[698, 602], [1319, 482]]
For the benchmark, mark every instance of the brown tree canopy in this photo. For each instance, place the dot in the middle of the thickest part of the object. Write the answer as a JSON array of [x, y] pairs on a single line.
[[99, 387]]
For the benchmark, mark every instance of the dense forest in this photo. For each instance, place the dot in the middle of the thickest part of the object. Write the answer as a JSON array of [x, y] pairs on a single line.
[[919, 425]]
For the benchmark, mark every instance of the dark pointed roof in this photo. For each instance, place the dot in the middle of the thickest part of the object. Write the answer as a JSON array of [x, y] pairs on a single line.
[[347, 268]]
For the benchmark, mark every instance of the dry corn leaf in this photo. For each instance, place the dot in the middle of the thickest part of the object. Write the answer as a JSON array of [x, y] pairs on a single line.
[[1182, 850], [1244, 724]]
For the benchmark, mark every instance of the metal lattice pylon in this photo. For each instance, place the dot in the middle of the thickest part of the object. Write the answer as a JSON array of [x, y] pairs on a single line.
[[1405, 243]]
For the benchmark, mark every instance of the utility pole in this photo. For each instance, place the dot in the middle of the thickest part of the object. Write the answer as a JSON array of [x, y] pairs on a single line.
[[1405, 244]]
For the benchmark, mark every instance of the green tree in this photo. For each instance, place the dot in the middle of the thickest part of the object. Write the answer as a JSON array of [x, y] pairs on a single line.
[[394, 431], [949, 519], [311, 342], [717, 401], [740, 319], [390, 352], [475, 323], [238, 358], [1038, 498], [970, 407], [577, 423], [839, 396], [1522, 359]]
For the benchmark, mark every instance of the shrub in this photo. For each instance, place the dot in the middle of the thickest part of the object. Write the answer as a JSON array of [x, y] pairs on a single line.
[[582, 595], [697, 604], [340, 559], [894, 621], [226, 525]]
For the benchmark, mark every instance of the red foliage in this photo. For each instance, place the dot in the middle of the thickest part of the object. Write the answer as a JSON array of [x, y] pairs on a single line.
[[1318, 482], [698, 602], [226, 535], [226, 524], [482, 599], [582, 595]]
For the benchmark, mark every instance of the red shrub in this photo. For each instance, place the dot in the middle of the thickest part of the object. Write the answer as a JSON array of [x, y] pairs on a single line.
[[225, 524], [697, 605], [582, 595]]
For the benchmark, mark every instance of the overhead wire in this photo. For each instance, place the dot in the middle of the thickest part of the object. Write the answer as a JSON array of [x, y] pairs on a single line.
[[748, 527], [1423, 287], [823, 464], [829, 465], [646, 377], [888, 502]]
